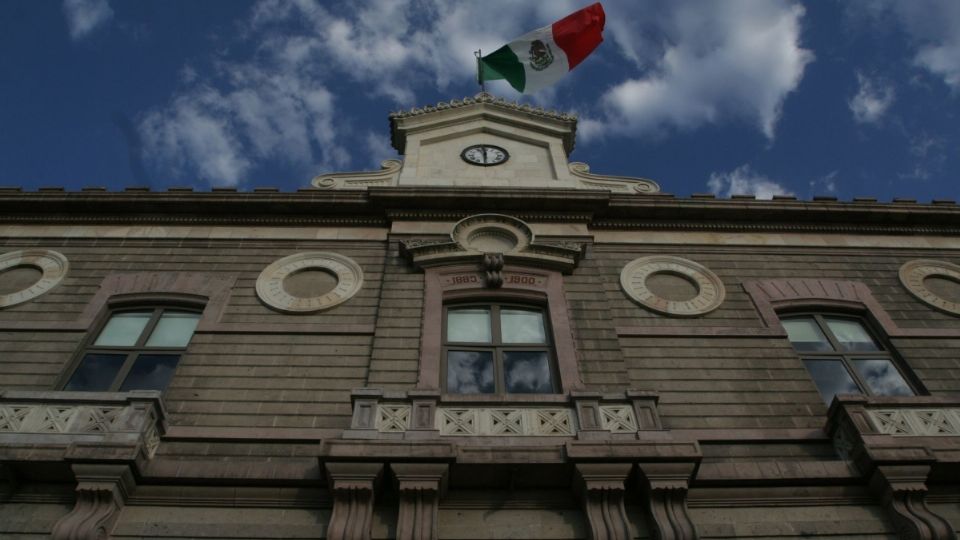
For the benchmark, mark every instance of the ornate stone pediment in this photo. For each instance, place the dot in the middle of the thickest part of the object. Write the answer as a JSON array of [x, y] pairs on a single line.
[[492, 240], [387, 176], [484, 141], [617, 184]]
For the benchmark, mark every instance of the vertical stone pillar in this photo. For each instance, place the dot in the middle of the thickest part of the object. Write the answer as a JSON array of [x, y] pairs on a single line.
[[587, 405], [602, 488], [420, 486], [352, 486], [665, 488], [423, 414], [102, 490], [902, 490]]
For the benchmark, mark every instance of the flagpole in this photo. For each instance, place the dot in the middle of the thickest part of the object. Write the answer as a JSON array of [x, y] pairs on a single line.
[[479, 71]]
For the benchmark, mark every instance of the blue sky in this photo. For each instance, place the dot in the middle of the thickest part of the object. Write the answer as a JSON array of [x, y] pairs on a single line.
[[829, 97]]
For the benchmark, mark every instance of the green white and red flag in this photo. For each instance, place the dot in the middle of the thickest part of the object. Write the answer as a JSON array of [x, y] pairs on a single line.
[[540, 58]]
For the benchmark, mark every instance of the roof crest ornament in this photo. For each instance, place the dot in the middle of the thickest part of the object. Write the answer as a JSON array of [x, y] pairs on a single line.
[[616, 184]]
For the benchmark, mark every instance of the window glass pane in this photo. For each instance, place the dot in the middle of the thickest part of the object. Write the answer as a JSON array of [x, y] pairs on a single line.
[[527, 372], [174, 329], [96, 372], [806, 335], [123, 329], [852, 335], [470, 372], [151, 372], [468, 325], [882, 377], [831, 378], [522, 326]]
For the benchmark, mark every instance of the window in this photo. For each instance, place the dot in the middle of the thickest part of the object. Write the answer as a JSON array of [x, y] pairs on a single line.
[[135, 350], [843, 357], [497, 349]]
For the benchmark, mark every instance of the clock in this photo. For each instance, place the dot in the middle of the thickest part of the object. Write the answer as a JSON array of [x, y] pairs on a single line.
[[484, 155]]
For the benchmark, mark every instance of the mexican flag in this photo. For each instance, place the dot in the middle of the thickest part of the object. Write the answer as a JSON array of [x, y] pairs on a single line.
[[540, 58]]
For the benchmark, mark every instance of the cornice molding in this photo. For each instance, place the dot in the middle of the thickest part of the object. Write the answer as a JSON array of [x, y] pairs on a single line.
[[359, 207], [773, 227]]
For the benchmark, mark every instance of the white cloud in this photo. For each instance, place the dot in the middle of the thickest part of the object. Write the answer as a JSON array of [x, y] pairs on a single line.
[[85, 16], [220, 134], [934, 27], [872, 100], [379, 149], [279, 102], [744, 181], [736, 59], [827, 182], [709, 62]]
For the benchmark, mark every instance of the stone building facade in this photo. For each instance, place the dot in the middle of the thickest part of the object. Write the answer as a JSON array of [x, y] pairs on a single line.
[[480, 341]]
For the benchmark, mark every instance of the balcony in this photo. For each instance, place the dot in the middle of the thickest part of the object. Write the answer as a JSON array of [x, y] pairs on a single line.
[[55, 426]]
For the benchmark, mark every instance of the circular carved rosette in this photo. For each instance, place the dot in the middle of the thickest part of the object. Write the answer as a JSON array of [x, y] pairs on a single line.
[[272, 290], [918, 276], [52, 267], [701, 291]]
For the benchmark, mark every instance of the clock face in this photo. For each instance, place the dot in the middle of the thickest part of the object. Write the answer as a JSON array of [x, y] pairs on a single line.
[[484, 155]]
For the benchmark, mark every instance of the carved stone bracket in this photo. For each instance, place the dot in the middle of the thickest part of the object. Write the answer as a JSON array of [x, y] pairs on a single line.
[[665, 488], [602, 489], [492, 265], [421, 485], [102, 490], [352, 486], [902, 489]]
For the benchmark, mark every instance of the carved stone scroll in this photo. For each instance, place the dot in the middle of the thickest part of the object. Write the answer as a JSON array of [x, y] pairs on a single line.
[[352, 487], [102, 490], [420, 486], [602, 491], [665, 486], [902, 490]]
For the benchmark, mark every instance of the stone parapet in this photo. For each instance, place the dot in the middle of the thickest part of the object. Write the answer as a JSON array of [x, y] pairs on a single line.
[[54, 425]]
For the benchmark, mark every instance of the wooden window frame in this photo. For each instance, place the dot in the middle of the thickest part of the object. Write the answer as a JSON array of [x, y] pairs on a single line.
[[846, 358], [498, 347], [462, 284], [130, 304]]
